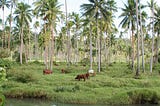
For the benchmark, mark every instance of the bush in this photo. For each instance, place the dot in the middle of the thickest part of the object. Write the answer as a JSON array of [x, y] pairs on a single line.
[[2, 99], [22, 76], [16, 56], [2, 74], [4, 53], [85, 61], [5, 63], [143, 96]]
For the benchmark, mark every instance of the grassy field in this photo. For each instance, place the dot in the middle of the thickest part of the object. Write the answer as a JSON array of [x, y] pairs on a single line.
[[116, 84]]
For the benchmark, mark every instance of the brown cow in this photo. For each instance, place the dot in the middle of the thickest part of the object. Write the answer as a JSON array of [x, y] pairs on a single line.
[[46, 71], [63, 71], [82, 76]]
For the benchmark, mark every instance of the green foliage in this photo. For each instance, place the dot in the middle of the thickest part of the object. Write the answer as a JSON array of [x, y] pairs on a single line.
[[5, 63], [2, 74], [67, 89], [114, 85], [17, 57], [22, 76], [143, 96], [4, 53], [2, 99], [85, 61]]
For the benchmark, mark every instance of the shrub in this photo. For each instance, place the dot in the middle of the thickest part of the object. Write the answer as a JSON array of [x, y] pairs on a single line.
[[5, 63], [22, 76], [85, 61], [2, 74], [2, 99], [16, 56], [143, 96], [4, 53]]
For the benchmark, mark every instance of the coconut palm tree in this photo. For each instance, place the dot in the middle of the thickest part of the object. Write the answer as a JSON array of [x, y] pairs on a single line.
[[77, 25], [36, 26], [142, 21], [96, 9], [13, 4], [138, 47], [128, 22], [23, 18], [152, 6], [157, 27], [3, 4], [48, 10]]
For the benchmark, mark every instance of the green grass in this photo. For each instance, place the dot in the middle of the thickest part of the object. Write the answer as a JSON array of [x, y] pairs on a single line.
[[116, 84]]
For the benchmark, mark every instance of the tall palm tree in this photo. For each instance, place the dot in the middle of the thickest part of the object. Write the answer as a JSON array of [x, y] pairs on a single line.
[[13, 4], [88, 23], [23, 18], [142, 34], [137, 22], [36, 26], [128, 22], [96, 9], [77, 23], [157, 27], [67, 34], [3, 4], [49, 10], [152, 5]]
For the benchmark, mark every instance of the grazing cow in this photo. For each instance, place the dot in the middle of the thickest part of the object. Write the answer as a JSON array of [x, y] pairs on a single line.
[[82, 76], [91, 72], [63, 71], [46, 71]]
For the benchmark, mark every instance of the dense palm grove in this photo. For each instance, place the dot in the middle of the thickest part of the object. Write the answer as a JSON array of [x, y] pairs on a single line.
[[43, 32]]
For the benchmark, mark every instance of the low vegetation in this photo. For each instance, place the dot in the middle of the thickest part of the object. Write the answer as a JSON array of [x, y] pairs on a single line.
[[116, 84]]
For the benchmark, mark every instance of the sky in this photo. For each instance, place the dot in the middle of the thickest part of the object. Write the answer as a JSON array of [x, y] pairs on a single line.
[[74, 5]]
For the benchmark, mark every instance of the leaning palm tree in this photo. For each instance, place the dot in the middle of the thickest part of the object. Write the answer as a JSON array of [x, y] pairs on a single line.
[[23, 18], [3, 4], [128, 22], [152, 5], [96, 9]]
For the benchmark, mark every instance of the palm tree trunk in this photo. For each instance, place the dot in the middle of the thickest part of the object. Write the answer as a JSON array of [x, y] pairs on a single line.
[[138, 58], [52, 48], [46, 57], [91, 60], [142, 40], [132, 50], [99, 48], [157, 47], [21, 47], [10, 25], [67, 33], [29, 44], [151, 61], [3, 35]]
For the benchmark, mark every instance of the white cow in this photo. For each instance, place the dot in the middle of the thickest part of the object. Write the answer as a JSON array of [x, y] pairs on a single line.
[[90, 71]]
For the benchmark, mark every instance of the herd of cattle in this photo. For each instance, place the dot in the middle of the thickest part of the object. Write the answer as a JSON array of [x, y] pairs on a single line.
[[78, 77]]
